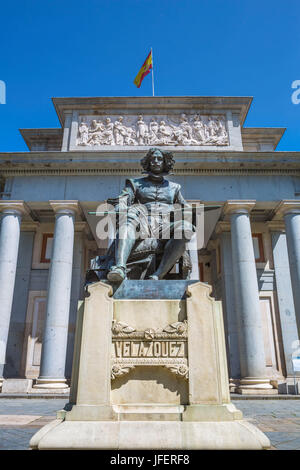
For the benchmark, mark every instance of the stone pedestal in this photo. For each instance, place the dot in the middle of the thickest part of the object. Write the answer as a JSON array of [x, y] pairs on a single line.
[[150, 372]]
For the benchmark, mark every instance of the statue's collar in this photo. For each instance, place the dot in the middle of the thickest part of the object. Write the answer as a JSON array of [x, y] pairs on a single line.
[[156, 178]]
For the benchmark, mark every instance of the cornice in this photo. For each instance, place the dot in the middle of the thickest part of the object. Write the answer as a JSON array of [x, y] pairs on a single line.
[[136, 171], [14, 206], [276, 226], [65, 206], [29, 226], [233, 206], [260, 134], [118, 163], [239, 104], [287, 206]]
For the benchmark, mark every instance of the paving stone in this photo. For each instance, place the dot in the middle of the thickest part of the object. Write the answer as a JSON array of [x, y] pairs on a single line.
[[19, 420], [278, 419]]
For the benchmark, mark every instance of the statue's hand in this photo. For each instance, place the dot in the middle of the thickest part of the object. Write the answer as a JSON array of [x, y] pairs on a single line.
[[113, 201], [122, 199]]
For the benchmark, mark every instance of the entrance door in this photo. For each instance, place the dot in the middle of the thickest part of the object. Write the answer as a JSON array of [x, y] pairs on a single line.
[[34, 333], [270, 335]]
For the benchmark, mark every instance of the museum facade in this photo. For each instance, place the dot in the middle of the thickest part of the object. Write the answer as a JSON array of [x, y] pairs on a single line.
[[250, 254]]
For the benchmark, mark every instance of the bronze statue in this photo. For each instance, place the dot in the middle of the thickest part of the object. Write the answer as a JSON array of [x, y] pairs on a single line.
[[151, 238]]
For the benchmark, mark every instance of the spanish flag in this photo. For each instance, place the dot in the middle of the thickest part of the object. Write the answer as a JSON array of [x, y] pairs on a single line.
[[146, 68]]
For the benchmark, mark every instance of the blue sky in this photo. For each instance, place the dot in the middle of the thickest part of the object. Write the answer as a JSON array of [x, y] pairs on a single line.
[[200, 47]]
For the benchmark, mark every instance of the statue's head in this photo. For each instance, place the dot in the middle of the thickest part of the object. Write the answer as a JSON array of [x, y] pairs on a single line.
[[158, 162]]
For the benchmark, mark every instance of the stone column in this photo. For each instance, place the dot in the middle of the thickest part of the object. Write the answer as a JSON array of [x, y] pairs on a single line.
[[250, 332], [231, 329], [284, 292], [53, 360], [290, 211], [12, 212]]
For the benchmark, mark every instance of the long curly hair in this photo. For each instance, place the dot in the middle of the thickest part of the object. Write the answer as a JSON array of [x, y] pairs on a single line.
[[169, 161]]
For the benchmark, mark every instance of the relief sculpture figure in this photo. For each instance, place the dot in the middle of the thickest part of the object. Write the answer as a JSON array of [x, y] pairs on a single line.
[[142, 130]]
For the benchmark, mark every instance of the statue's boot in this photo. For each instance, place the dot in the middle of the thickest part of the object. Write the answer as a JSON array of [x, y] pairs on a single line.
[[117, 273]]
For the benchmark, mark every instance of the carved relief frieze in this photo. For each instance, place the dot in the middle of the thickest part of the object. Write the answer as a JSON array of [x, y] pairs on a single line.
[[170, 130], [122, 366]]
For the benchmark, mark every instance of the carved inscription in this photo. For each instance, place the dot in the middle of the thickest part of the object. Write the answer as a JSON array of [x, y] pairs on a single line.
[[165, 347], [150, 348]]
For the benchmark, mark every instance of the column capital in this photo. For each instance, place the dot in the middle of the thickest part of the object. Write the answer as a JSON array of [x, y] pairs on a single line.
[[65, 207], [14, 207], [222, 226], [238, 206], [287, 206]]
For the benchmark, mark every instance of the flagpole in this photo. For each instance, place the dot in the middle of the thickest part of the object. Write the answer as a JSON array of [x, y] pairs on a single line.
[[152, 73]]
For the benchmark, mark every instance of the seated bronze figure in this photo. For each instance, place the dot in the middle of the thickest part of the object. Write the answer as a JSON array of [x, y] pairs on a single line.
[[153, 237]]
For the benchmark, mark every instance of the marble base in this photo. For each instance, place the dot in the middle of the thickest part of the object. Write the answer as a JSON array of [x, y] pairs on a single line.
[[256, 386], [167, 435], [51, 384], [233, 385]]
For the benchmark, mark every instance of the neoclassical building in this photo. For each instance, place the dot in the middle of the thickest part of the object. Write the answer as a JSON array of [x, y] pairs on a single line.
[[251, 249]]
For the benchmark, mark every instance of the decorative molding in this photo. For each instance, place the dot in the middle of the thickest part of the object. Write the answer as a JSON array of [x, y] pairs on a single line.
[[29, 226], [276, 226], [174, 330], [237, 206], [118, 369], [179, 369], [120, 327], [64, 206], [137, 171], [14, 207], [162, 130], [162, 105], [123, 366], [287, 206]]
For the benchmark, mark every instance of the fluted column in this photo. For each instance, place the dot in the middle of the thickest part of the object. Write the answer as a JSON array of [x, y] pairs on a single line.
[[290, 211], [12, 212], [249, 320], [53, 359]]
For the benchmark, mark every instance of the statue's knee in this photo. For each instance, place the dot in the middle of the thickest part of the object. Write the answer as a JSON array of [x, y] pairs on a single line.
[[184, 230]]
